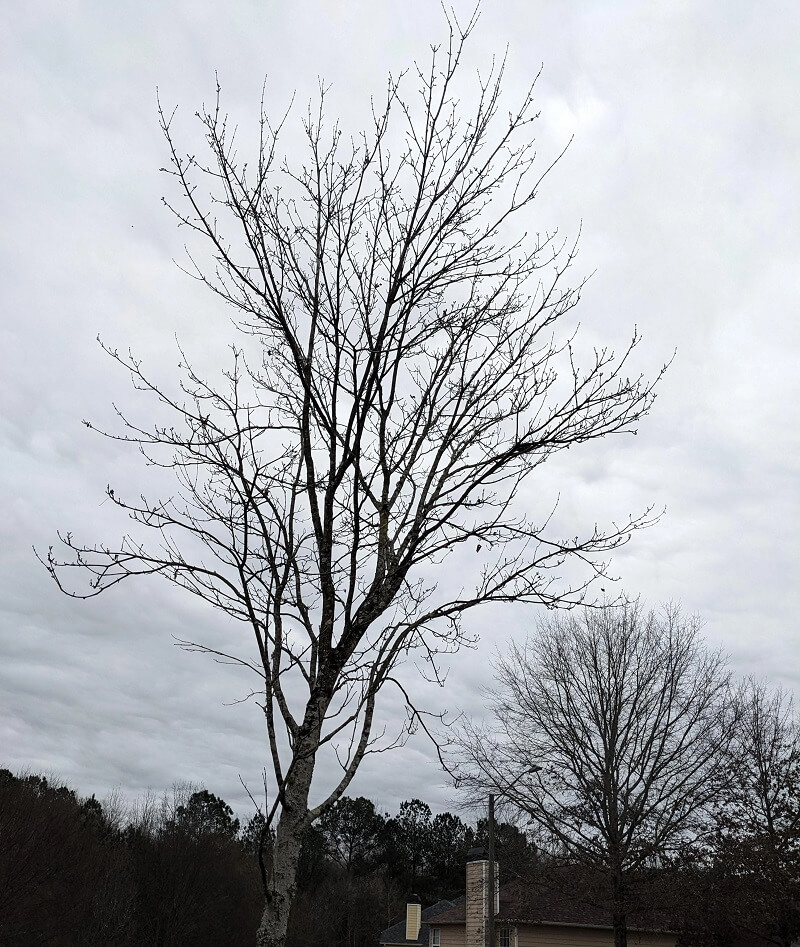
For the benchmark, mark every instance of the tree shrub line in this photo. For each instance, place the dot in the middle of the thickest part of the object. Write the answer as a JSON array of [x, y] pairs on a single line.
[[182, 869]]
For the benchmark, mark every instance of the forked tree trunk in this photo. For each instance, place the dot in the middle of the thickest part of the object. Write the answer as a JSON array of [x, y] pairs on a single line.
[[286, 855]]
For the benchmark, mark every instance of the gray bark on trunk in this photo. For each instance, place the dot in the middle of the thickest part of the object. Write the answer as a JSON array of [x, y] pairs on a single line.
[[286, 855]]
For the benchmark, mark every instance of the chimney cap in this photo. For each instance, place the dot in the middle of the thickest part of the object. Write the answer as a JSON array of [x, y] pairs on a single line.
[[477, 855], [414, 899]]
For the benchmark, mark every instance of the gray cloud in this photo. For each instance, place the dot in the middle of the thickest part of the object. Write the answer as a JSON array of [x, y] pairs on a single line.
[[684, 175]]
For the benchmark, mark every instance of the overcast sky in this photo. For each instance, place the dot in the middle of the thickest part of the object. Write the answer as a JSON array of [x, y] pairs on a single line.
[[685, 175]]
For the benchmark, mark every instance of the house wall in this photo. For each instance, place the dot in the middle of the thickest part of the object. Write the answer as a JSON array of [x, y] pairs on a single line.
[[528, 935], [554, 936], [453, 935]]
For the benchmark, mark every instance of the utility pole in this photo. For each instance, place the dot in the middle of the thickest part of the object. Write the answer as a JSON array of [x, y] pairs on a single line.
[[490, 912]]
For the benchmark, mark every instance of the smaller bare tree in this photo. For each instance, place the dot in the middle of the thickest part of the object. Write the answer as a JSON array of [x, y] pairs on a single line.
[[757, 821], [607, 729]]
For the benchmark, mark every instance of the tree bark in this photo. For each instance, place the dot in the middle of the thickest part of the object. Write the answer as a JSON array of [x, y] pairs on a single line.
[[286, 855], [619, 918]]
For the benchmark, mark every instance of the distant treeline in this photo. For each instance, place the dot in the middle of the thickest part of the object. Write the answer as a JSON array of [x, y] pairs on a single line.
[[181, 869]]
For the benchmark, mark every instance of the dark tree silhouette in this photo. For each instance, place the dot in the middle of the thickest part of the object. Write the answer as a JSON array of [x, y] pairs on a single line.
[[353, 833], [204, 813], [449, 841], [410, 838], [756, 856]]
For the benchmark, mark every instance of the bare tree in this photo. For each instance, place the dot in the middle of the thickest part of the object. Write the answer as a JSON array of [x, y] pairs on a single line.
[[607, 731], [757, 842], [405, 371]]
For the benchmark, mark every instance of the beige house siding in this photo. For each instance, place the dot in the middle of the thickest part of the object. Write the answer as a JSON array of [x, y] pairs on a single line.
[[453, 935], [554, 936]]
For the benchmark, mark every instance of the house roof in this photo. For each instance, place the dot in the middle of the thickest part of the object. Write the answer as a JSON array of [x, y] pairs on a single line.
[[560, 899], [396, 934]]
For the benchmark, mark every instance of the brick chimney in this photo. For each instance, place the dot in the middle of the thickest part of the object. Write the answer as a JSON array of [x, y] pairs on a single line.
[[413, 917], [477, 896]]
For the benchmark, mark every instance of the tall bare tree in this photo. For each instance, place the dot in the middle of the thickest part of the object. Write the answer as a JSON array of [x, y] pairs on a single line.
[[608, 725], [408, 364]]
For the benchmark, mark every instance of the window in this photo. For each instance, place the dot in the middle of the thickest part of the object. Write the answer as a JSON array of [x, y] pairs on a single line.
[[436, 937], [506, 937]]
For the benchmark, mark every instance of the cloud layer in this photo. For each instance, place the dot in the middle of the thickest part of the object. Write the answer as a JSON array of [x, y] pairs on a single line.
[[683, 175]]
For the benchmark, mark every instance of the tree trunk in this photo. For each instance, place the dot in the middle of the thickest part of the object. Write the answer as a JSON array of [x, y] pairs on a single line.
[[620, 923], [619, 918], [286, 855]]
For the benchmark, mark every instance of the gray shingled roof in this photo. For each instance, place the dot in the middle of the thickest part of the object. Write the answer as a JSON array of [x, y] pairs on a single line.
[[541, 906], [396, 934], [562, 901]]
